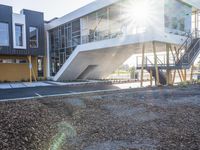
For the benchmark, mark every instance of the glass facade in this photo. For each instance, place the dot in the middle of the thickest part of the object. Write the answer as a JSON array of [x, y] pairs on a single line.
[[95, 26], [4, 34], [19, 35], [33, 37], [196, 20], [63, 40], [177, 17], [111, 22]]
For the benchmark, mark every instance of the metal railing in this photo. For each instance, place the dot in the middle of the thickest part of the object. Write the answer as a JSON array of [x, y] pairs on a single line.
[[185, 47], [149, 63], [196, 34], [191, 50], [190, 55], [99, 36], [186, 54]]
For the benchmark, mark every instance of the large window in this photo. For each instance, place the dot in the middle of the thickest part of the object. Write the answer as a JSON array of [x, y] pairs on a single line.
[[4, 34], [103, 24], [33, 37], [196, 20], [177, 17], [63, 40], [95, 26], [19, 35]]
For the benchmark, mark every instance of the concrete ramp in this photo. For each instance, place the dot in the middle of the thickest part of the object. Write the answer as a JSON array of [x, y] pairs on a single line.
[[97, 60], [95, 64], [87, 71]]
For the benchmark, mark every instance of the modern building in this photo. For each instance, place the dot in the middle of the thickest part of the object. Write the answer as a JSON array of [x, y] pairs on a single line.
[[22, 45], [93, 41]]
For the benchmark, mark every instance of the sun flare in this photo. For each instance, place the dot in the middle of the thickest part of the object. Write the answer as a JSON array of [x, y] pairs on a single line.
[[137, 12]]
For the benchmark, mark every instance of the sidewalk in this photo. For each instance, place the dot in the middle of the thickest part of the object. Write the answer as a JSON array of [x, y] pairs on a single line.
[[46, 83], [69, 84], [23, 85]]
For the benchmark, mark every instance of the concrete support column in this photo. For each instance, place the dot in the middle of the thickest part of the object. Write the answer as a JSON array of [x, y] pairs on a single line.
[[48, 56]]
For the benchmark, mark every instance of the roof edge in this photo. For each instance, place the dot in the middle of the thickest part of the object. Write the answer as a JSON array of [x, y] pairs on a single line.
[[87, 9]]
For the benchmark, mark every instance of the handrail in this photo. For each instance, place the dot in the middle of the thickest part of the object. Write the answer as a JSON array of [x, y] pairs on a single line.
[[98, 36], [196, 33], [148, 60], [193, 51], [185, 42], [158, 59], [193, 35]]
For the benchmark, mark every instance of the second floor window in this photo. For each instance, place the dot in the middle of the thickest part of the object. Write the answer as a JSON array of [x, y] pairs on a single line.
[[33, 37], [4, 34], [19, 35]]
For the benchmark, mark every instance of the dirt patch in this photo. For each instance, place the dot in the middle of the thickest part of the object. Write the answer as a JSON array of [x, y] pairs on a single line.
[[123, 145], [127, 120], [75, 102], [138, 113]]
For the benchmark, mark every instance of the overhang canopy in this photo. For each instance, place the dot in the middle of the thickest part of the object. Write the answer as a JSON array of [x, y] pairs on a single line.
[[193, 3]]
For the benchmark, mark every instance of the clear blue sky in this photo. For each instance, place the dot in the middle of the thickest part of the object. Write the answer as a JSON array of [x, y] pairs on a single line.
[[51, 8]]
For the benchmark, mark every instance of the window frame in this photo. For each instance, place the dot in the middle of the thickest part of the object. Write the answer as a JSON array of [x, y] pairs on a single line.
[[8, 35], [21, 34], [37, 37]]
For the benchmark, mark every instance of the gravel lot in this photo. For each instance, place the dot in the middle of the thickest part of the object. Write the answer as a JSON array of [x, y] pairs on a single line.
[[148, 119]]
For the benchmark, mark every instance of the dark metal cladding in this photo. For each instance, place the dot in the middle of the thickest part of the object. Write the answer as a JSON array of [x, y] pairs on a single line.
[[33, 19], [6, 17]]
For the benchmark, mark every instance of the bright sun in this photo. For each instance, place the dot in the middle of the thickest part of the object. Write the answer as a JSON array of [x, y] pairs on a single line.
[[138, 12]]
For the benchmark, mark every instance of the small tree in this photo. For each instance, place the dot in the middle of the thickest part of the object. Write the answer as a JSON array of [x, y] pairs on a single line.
[[132, 71]]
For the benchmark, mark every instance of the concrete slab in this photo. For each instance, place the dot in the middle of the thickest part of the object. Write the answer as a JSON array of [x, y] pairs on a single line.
[[23, 85], [36, 84], [17, 85], [5, 86], [132, 85], [66, 83]]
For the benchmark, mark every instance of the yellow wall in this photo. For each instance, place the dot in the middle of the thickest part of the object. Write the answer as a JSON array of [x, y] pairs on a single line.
[[16, 72]]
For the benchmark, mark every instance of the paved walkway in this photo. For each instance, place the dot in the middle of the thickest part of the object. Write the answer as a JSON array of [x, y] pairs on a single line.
[[37, 92], [49, 88], [42, 84], [22, 85]]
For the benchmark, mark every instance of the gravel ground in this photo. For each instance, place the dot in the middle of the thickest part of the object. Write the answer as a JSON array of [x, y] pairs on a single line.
[[162, 118]]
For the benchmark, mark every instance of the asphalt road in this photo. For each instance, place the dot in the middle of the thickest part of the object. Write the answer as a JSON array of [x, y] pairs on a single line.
[[50, 90]]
